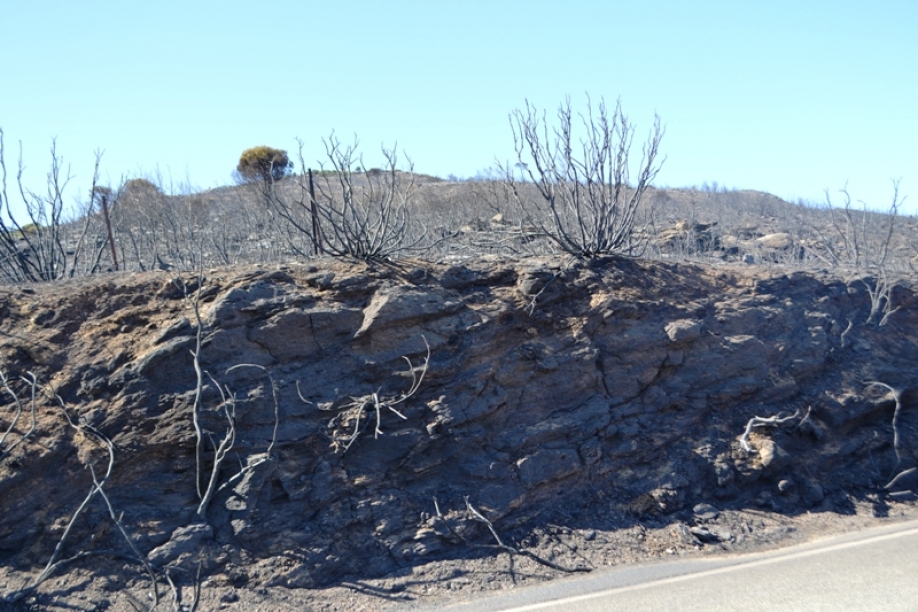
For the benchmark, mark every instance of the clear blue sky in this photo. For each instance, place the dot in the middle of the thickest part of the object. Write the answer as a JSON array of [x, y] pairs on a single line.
[[790, 97]]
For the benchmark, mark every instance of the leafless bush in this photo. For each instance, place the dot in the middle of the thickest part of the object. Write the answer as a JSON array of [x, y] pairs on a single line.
[[157, 224], [586, 202], [718, 224], [863, 243], [292, 208], [858, 239], [48, 246], [350, 210], [880, 289], [366, 219], [170, 224]]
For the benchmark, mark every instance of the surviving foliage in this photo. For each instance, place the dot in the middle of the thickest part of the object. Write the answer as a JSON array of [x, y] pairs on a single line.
[[262, 164]]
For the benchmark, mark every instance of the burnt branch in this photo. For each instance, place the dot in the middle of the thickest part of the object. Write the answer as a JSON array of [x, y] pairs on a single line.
[[354, 410], [472, 513], [896, 420], [758, 421]]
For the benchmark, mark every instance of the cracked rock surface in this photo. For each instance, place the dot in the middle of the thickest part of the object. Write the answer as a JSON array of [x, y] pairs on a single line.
[[582, 408]]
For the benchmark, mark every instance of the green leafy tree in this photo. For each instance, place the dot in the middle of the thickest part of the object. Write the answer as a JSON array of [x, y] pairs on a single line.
[[262, 164]]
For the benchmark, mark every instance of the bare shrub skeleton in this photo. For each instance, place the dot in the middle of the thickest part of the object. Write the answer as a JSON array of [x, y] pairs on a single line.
[[586, 202]]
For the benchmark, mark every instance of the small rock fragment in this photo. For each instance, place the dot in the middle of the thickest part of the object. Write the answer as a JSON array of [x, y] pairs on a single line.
[[813, 493], [183, 540], [705, 512], [704, 534], [684, 535], [683, 329]]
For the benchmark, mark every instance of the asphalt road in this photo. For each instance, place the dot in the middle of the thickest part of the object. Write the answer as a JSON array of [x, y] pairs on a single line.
[[874, 569]]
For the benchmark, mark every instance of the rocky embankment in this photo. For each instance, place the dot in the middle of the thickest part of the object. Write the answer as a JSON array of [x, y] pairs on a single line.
[[618, 389]]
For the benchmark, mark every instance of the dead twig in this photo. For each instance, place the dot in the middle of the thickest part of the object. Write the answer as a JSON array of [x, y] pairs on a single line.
[[532, 303], [475, 515], [758, 421], [32, 381], [55, 562], [228, 404], [177, 605], [199, 384], [197, 589], [266, 456], [15, 396], [897, 416], [176, 597], [273, 396], [358, 405], [845, 333], [117, 520], [880, 291]]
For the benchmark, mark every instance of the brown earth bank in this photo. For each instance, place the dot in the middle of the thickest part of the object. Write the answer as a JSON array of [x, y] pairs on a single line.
[[401, 435]]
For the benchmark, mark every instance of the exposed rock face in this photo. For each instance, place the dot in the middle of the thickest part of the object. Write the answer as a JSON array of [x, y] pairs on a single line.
[[689, 235], [779, 241], [620, 384]]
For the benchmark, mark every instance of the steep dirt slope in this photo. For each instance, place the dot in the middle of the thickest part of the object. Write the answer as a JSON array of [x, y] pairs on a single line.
[[559, 400]]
